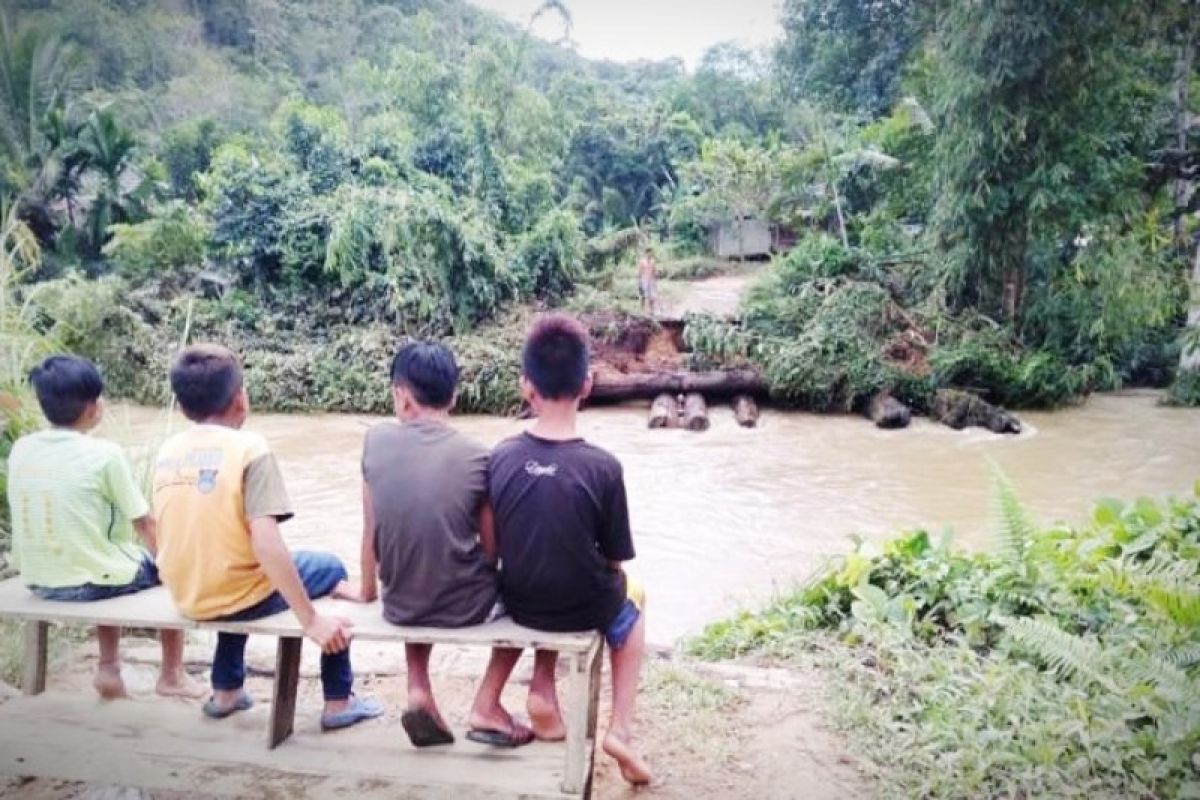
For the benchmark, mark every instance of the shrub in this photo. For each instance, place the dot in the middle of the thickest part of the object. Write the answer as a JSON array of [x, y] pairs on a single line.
[[171, 240], [1065, 661], [1185, 390]]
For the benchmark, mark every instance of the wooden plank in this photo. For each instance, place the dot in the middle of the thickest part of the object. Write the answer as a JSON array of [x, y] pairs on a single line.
[[37, 648], [369, 625], [153, 609], [283, 696], [164, 746], [577, 767], [150, 609]]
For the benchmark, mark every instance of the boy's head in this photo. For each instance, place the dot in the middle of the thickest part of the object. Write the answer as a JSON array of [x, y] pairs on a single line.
[[207, 382], [424, 376], [554, 361], [68, 390]]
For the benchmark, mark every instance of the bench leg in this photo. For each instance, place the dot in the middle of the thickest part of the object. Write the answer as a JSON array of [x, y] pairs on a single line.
[[37, 642], [583, 687], [287, 683]]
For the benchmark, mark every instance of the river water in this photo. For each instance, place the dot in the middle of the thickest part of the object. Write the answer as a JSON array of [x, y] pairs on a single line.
[[723, 519]]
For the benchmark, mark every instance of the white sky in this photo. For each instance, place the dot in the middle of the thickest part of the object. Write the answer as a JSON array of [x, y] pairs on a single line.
[[627, 30]]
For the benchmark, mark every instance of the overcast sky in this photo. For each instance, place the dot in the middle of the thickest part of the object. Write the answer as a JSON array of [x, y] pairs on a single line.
[[627, 30]]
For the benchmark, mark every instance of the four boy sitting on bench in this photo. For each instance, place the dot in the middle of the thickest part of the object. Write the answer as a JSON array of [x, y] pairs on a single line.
[[550, 511]]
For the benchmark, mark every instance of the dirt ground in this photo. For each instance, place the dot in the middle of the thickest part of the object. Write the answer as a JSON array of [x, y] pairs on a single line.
[[707, 730]]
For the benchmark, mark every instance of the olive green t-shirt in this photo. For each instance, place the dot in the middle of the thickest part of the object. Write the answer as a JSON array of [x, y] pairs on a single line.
[[427, 484], [73, 499]]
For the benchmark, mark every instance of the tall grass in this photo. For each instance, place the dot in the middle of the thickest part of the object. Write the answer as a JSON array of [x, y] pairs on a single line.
[[21, 346]]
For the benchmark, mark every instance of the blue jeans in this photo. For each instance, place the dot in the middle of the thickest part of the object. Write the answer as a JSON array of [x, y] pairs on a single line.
[[320, 573], [145, 578]]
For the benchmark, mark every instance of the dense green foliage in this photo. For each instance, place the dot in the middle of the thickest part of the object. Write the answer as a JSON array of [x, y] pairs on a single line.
[[968, 186], [1064, 662]]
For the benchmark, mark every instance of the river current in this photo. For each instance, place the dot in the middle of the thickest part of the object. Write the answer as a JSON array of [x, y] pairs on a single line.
[[722, 519]]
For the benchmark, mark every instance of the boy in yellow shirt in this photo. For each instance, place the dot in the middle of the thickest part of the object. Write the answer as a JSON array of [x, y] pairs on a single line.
[[75, 506], [219, 499]]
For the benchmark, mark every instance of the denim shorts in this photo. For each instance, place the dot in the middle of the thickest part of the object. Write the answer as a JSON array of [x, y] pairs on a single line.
[[617, 632], [146, 578]]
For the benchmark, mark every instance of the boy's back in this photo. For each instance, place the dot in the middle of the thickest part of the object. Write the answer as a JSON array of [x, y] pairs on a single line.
[[561, 518], [209, 480], [427, 484], [73, 501]]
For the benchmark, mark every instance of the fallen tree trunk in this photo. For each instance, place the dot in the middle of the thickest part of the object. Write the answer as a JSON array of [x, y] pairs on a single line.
[[695, 412], [665, 412], [745, 411], [609, 388]]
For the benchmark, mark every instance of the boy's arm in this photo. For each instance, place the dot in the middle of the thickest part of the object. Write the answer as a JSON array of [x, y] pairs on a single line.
[[147, 529], [331, 633], [487, 531], [367, 590], [122, 491], [615, 536]]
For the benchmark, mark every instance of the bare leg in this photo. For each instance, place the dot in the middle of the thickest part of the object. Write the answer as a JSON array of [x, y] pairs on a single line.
[[544, 713], [487, 713], [108, 681], [420, 689], [173, 680], [618, 742]]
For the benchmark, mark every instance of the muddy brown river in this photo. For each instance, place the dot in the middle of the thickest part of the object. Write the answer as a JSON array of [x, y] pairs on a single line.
[[723, 519]]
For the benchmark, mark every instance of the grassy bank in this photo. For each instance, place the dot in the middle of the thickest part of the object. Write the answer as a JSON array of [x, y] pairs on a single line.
[[1065, 662]]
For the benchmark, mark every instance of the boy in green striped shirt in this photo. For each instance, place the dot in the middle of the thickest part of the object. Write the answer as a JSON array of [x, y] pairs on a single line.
[[75, 506]]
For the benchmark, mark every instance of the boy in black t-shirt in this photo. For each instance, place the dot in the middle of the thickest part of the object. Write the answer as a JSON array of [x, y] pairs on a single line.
[[562, 531]]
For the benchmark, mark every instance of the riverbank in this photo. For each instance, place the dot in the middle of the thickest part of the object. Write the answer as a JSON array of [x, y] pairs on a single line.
[[1064, 661]]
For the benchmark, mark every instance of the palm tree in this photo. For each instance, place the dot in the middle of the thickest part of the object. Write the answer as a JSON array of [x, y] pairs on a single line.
[[37, 75], [109, 149]]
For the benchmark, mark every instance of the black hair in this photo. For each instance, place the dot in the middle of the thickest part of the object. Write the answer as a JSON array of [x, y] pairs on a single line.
[[65, 386], [555, 357], [205, 378], [428, 370]]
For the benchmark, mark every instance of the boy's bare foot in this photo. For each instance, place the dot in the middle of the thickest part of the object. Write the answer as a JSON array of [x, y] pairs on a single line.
[[545, 718], [633, 769], [179, 684], [109, 683]]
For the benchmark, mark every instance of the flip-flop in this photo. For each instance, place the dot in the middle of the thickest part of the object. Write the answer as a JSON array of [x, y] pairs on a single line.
[[499, 738], [356, 711], [424, 730], [211, 709]]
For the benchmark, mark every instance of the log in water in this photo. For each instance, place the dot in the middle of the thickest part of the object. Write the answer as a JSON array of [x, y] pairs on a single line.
[[745, 411], [665, 412], [695, 412]]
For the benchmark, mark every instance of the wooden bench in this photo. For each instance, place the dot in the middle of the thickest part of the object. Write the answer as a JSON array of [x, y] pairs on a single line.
[[154, 609]]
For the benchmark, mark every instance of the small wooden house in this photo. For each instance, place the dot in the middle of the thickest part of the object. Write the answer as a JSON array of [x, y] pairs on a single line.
[[749, 237]]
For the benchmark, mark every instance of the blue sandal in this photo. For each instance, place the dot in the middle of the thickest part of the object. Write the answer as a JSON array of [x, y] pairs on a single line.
[[243, 703], [356, 711]]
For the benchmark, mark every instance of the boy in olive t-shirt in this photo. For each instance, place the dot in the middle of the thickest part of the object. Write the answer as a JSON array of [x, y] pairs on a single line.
[[75, 507], [427, 533]]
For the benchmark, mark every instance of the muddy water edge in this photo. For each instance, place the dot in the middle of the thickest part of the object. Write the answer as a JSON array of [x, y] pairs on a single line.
[[723, 519]]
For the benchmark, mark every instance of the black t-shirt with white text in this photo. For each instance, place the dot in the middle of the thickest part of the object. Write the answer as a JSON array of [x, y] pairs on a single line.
[[561, 517]]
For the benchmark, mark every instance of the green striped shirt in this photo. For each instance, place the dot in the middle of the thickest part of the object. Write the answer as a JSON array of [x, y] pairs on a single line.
[[73, 499]]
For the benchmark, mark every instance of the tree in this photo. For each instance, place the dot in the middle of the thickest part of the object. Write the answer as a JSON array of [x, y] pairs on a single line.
[[850, 54], [1042, 110], [120, 195], [38, 73], [729, 183]]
